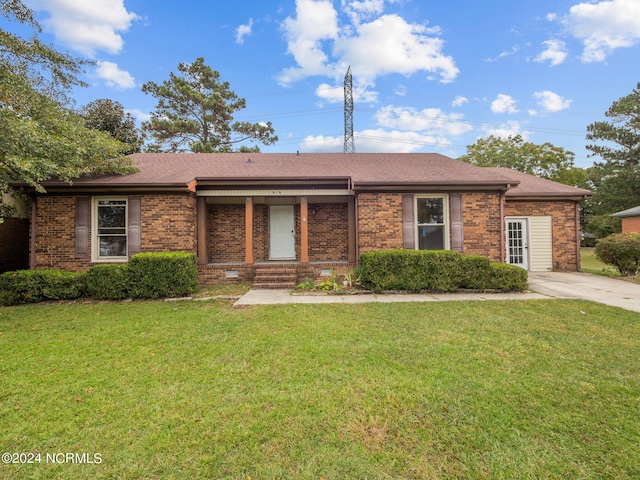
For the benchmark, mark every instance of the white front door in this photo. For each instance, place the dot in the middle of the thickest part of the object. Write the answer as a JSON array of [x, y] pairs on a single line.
[[517, 242], [282, 239]]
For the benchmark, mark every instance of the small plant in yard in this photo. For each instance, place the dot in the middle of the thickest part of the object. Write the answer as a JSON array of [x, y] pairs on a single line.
[[307, 284]]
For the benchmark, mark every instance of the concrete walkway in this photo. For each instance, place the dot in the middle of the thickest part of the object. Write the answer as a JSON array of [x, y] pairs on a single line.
[[545, 285]]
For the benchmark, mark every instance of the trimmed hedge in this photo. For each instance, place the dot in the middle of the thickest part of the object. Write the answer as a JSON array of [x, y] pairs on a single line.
[[437, 271], [147, 275], [415, 270], [31, 286], [157, 275], [508, 278], [109, 281]]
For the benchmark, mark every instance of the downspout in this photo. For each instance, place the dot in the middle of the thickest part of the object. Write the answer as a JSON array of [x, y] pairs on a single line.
[[577, 208], [32, 232], [502, 235]]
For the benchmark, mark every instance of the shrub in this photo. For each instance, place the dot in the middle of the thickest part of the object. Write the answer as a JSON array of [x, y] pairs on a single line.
[[413, 270], [508, 278], [476, 272], [622, 251], [30, 286], [157, 275], [109, 281]]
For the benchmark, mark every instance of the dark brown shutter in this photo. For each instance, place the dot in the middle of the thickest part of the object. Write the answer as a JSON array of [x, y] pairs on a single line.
[[408, 225], [133, 227], [455, 215], [82, 226]]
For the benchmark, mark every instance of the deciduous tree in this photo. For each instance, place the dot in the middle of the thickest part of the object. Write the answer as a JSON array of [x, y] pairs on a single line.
[[545, 161], [40, 136], [109, 116], [195, 113]]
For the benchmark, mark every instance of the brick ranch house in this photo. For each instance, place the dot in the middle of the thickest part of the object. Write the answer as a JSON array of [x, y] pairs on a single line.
[[248, 216], [630, 219]]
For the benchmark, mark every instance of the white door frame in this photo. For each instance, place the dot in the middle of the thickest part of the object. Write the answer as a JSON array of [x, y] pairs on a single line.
[[282, 238], [517, 241]]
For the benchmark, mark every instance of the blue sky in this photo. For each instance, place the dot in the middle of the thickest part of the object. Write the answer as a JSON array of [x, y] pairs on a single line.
[[428, 76]]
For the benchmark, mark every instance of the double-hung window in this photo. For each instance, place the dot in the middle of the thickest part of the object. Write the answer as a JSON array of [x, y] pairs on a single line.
[[433, 219], [110, 227]]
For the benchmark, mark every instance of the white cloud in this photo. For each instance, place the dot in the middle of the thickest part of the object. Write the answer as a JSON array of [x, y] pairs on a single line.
[[335, 94], [361, 10], [139, 114], [322, 45], [555, 52], [551, 102], [508, 129], [114, 77], [315, 22], [459, 101], [604, 26], [504, 104], [243, 31], [375, 141], [432, 121], [391, 45], [86, 26]]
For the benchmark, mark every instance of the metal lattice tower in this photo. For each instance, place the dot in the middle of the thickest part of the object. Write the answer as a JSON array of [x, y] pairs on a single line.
[[349, 143]]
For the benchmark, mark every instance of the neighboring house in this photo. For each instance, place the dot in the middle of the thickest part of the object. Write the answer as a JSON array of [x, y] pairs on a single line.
[[630, 219], [242, 214]]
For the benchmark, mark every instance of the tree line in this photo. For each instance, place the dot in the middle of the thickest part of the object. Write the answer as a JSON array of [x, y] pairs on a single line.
[[43, 136]]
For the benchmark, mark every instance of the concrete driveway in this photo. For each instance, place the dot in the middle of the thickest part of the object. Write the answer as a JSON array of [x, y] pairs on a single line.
[[610, 291]]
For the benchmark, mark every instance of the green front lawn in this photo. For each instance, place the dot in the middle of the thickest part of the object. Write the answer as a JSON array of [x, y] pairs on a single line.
[[190, 390]]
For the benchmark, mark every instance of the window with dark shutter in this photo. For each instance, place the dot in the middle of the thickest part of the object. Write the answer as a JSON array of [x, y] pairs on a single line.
[[82, 227]]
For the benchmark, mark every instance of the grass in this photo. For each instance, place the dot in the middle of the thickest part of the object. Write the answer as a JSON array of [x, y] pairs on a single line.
[[590, 264], [495, 390]]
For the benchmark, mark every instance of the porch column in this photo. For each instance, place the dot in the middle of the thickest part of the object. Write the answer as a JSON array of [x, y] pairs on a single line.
[[351, 235], [304, 230], [201, 222], [248, 230]]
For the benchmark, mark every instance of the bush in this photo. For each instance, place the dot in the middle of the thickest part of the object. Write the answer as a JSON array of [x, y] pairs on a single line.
[[437, 271], [413, 270], [507, 278], [622, 251], [476, 272], [157, 275], [30, 286], [109, 281]]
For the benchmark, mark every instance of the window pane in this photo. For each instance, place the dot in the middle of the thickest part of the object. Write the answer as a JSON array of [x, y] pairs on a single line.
[[111, 216], [113, 246], [430, 238], [430, 210]]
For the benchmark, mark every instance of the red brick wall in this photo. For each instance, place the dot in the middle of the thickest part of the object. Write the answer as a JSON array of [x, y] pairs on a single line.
[[225, 233], [563, 228], [328, 232], [14, 244], [379, 221], [631, 224], [55, 234], [168, 223], [481, 224]]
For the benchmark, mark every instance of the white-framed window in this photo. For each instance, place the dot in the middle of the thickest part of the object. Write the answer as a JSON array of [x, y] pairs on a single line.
[[432, 216], [110, 229]]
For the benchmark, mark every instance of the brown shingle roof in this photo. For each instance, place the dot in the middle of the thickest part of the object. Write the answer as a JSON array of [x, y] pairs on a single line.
[[532, 186], [164, 170], [363, 168]]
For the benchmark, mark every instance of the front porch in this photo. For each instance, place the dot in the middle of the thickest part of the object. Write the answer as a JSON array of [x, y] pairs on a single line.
[[275, 237]]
